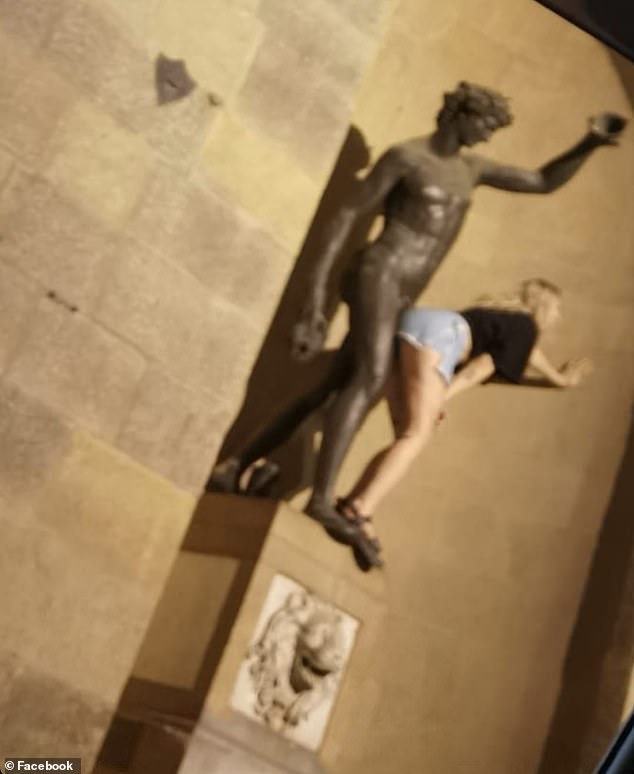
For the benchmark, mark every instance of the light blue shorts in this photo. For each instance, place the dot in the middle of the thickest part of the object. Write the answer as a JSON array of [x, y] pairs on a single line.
[[442, 330]]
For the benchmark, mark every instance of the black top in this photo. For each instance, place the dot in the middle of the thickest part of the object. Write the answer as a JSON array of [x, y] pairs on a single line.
[[508, 337]]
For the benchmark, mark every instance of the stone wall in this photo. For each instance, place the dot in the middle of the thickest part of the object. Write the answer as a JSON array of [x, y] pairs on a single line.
[[142, 253]]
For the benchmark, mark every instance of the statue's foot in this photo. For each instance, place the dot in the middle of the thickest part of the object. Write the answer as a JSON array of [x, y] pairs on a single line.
[[365, 552], [362, 562], [336, 525], [261, 479], [225, 477], [365, 544]]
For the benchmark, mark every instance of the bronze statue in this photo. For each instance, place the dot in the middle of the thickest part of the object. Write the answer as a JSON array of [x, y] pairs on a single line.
[[424, 186]]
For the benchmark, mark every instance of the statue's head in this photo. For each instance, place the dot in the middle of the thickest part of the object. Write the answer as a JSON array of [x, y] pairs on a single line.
[[475, 112]]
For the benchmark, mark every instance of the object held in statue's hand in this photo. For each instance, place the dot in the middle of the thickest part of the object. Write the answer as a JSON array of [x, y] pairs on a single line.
[[608, 127]]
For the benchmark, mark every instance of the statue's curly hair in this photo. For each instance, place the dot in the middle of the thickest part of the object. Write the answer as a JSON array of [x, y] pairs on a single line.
[[470, 98]]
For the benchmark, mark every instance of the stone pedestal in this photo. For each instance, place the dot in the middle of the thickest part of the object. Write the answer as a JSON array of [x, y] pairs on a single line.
[[185, 689]]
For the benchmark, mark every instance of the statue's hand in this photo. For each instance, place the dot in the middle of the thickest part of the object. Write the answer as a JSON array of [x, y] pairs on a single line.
[[308, 334], [606, 128]]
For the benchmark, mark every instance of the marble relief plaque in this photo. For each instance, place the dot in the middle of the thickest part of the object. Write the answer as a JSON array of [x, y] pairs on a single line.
[[290, 676]]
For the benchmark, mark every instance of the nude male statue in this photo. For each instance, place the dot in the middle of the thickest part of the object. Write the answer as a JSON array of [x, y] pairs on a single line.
[[424, 186]]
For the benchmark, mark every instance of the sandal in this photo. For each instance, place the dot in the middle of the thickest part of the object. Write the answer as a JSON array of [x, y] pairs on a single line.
[[368, 547]]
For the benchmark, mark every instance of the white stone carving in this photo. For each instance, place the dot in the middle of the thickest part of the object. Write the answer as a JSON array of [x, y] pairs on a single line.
[[289, 678]]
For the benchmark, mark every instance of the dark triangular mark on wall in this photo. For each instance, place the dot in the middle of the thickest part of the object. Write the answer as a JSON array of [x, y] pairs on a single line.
[[172, 79]]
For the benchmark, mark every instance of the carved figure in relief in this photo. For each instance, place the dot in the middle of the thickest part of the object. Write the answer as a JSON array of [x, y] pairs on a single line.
[[296, 662]]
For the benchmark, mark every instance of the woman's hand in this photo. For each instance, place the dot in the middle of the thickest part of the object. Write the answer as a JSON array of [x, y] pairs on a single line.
[[575, 371]]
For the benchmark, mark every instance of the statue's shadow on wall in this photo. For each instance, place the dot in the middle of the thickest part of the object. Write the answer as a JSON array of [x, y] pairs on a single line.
[[277, 378]]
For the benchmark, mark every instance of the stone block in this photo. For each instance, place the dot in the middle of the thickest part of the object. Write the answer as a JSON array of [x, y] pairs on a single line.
[[81, 585], [321, 130], [41, 715], [369, 16], [152, 221], [152, 303], [16, 61], [97, 52], [71, 364], [34, 439], [230, 337], [324, 38], [178, 130], [215, 754], [17, 298], [99, 164], [249, 166], [217, 40], [88, 622], [221, 245], [428, 21], [6, 165], [170, 315], [137, 15], [31, 112], [128, 520], [278, 87], [29, 21], [185, 619], [290, 99], [173, 430], [48, 237]]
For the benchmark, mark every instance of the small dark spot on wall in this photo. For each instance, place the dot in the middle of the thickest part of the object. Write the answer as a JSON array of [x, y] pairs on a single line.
[[52, 295]]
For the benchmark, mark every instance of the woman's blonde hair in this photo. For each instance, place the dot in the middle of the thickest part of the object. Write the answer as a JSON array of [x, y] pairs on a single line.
[[524, 299]]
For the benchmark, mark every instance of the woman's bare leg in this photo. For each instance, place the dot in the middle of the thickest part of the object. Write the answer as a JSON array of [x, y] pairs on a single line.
[[423, 392]]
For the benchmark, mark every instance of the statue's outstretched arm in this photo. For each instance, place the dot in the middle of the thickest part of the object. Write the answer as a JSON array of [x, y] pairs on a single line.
[[604, 130], [310, 331]]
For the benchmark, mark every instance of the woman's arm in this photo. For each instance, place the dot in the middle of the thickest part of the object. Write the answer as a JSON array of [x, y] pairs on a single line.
[[475, 372], [569, 375]]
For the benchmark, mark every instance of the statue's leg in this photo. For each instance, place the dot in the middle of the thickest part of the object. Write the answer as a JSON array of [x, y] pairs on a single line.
[[225, 476], [373, 316]]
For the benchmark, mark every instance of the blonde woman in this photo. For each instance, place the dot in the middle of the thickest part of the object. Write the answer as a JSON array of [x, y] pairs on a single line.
[[494, 338]]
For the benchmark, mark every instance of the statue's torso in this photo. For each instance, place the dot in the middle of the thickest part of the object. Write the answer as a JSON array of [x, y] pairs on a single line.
[[431, 191], [423, 215]]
